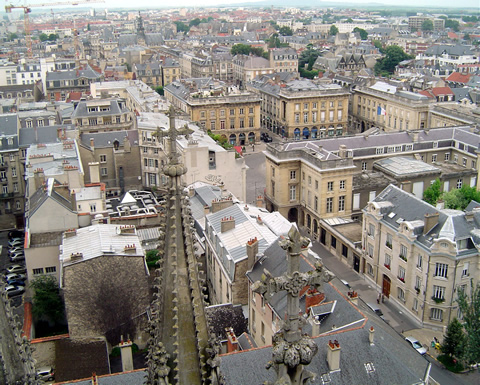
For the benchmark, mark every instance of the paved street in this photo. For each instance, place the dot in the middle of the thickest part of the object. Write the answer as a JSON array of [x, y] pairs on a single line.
[[401, 323]]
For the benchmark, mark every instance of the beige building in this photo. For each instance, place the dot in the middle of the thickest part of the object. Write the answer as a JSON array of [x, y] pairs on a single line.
[[248, 67], [419, 256], [302, 109], [284, 60], [305, 185], [389, 108], [214, 106]]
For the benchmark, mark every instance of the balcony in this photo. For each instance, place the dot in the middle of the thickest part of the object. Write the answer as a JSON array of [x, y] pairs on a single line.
[[438, 300], [3, 180], [6, 195], [403, 257], [387, 266], [3, 165]]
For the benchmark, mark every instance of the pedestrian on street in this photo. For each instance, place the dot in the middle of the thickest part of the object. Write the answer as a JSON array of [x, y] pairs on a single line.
[[378, 298], [253, 147]]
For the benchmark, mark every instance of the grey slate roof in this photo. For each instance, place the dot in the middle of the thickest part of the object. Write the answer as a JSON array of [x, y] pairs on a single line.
[[106, 139], [454, 50], [88, 73], [8, 130], [136, 377], [46, 134]]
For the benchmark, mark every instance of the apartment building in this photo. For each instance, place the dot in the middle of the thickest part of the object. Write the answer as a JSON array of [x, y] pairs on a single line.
[[415, 23], [59, 84], [283, 59], [419, 256], [303, 109], [248, 67], [221, 109]]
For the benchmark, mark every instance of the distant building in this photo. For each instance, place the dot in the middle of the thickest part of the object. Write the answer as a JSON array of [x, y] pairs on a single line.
[[415, 23]]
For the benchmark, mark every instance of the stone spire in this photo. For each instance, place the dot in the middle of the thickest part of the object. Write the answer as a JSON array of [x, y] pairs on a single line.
[[16, 363], [291, 350], [179, 336]]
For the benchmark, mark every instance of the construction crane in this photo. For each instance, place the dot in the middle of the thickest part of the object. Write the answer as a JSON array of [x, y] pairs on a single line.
[[28, 8]]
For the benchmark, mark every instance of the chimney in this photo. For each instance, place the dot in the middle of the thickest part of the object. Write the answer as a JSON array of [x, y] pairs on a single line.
[[313, 298], [259, 202], [469, 216], [232, 342], [430, 221], [252, 251], [206, 209], [38, 178], [191, 191], [333, 356], [220, 204], [94, 168], [440, 205], [342, 151], [371, 335], [126, 352], [92, 143], [259, 220], [315, 327], [227, 223]]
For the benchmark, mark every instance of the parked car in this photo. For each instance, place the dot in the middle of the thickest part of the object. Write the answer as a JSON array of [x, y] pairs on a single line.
[[376, 309], [416, 345], [17, 257], [14, 250], [16, 282], [16, 242], [13, 291], [15, 276], [16, 269], [46, 373]]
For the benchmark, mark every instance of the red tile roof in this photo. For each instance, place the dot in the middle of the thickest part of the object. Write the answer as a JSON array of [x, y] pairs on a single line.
[[457, 77], [442, 91]]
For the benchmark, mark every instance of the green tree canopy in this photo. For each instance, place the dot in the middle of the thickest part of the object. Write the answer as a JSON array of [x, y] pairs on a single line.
[[308, 57], [194, 22], [470, 309], [159, 90], [333, 30], [432, 193], [181, 27], [52, 37], [427, 25], [453, 24], [393, 55], [362, 32], [466, 36], [47, 301], [349, 20], [285, 31], [458, 199], [43, 37], [242, 49], [12, 36], [454, 339]]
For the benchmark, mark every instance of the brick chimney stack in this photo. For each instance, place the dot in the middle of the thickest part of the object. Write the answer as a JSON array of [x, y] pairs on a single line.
[[333, 356], [220, 204], [313, 298], [227, 223], [259, 201], [252, 251], [126, 352], [232, 342], [371, 335], [430, 221]]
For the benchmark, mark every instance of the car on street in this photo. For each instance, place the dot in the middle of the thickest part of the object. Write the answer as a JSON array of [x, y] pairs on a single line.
[[17, 257], [13, 291], [11, 276], [16, 242], [376, 309], [16, 282], [14, 250], [414, 343], [46, 373], [15, 269]]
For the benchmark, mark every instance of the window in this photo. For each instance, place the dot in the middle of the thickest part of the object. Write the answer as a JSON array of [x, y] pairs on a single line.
[[459, 183], [438, 292], [334, 242], [254, 326], [401, 294], [29, 124], [17, 205], [403, 252], [447, 156], [441, 270], [93, 207], [436, 314], [309, 180], [341, 203], [232, 111], [212, 124], [103, 159], [293, 193], [305, 117], [371, 231], [316, 184], [14, 172], [415, 304], [50, 269], [434, 157], [38, 271], [370, 250], [344, 250], [250, 110], [419, 261], [364, 166], [464, 162], [329, 205], [389, 241], [342, 185], [370, 269], [262, 335], [5, 189], [15, 187], [329, 186], [474, 163], [297, 118], [418, 283], [465, 272], [388, 261], [401, 273], [232, 124], [293, 175], [241, 111], [103, 171]]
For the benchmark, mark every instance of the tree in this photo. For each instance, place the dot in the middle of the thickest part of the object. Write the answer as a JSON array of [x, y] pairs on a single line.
[[333, 30], [470, 309], [152, 257], [285, 31], [43, 37], [458, 199], [393, 55], [88, 27], [52, 37], [159, 90], [240, 49], [466, 36], [181, 26], [308, 57], [349, 20], [129, 67], [362, 32], [47, 301], [432, 193], [194, 22], [378, 45], [454, 339], [12, 36], [427, 25], [453, 24]]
